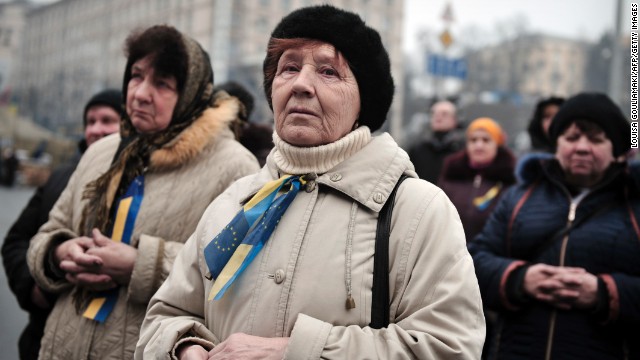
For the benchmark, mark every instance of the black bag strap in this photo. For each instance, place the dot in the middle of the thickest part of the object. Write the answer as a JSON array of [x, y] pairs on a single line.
[[380, 292]]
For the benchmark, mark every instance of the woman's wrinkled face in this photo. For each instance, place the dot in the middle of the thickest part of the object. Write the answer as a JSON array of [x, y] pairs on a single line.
[[315, 96], [584, 157], [481, 147], [151, 99]]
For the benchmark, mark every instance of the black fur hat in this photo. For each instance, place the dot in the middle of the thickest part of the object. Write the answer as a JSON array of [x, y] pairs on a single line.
[[358, 43], [599, 109]]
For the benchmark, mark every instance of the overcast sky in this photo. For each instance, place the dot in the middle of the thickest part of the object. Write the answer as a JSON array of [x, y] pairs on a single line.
[[583, 19]]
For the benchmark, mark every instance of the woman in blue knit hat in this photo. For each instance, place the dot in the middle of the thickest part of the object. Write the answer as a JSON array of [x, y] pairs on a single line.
[[285, 263]]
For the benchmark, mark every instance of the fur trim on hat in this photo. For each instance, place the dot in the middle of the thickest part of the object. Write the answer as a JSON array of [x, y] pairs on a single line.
[[358, 43], [599, 109]]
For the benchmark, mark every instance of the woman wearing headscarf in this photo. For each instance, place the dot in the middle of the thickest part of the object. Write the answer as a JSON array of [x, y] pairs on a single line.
[[558, 258], [281, 264], [135, 197], [475, 177]]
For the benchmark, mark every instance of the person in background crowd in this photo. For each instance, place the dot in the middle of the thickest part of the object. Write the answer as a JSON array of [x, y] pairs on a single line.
[[558, 258], [10, 164], [254, 136], [135, 197], [101, 117], [246, 99], [474, 178], [305, 290], [258, 138], [446, 138], [538, 128]]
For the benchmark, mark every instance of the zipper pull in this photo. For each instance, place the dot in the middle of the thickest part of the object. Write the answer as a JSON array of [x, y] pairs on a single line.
[[477, 181], [572, 211]]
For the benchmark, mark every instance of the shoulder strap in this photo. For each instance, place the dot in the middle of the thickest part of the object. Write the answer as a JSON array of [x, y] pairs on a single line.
[[380, 292], [514, 213]]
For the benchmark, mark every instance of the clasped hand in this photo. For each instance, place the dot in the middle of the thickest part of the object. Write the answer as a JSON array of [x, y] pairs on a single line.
[[239, 346], [96, 262], [563, 287]]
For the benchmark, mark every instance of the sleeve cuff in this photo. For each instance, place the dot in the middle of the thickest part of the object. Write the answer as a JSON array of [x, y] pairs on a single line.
[[613, 297], [145, 276], [52, 270], [308, 338], [191, 340], [508, 281], [515, 286], [42, 264]]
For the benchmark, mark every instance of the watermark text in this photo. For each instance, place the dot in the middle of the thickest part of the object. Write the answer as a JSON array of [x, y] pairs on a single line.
[[634, 75]]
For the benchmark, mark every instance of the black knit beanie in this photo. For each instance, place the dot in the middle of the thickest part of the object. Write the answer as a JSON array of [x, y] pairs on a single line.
[[109, 97], [597, 108], [358, 43]]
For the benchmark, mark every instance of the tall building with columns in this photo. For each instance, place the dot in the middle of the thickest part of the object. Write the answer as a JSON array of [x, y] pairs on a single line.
[[73, 48]]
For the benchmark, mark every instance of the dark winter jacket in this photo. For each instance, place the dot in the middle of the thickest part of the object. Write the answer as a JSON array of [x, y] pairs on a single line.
[[428, 156], [606, 245], [475, 192], [14, 253]]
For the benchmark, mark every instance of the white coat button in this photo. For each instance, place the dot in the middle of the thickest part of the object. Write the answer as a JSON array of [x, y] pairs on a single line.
[[378, 197], [279, 276], [336, 177]]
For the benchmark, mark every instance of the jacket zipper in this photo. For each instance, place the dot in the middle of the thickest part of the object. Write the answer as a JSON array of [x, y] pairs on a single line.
[[570, 217], [563, 250]]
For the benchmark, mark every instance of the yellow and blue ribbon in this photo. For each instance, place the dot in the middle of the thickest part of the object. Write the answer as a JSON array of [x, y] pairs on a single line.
[[126, 212], [483, 202], [233, 249]]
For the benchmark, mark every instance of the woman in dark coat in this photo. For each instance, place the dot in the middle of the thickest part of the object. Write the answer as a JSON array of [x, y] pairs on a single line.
[[558, 258], [475, 177]]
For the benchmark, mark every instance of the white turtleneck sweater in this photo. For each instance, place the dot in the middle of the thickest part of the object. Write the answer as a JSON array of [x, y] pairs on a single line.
[[295, 160]]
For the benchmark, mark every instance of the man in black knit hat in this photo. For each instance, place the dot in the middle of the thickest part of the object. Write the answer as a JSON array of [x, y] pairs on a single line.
[[101, 117]]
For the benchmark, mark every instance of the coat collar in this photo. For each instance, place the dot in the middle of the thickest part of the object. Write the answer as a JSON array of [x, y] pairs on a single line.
[[367, 177]]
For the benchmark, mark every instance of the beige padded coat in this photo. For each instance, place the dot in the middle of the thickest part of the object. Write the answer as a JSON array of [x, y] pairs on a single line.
[[183, 178], [324, 245]]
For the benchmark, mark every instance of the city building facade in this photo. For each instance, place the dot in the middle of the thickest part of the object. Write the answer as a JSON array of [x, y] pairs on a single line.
[[73, 48], [531, 65], [12, 23]]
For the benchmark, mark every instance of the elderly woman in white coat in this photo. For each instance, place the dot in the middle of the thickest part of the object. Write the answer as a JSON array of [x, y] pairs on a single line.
[[281, 265], [135, 197]]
